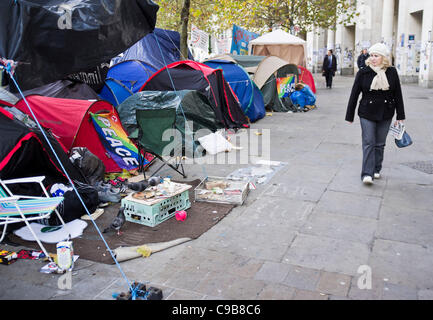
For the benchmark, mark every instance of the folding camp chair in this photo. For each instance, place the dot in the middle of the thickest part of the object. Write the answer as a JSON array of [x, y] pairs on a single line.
[[157, 135], [19, 208]]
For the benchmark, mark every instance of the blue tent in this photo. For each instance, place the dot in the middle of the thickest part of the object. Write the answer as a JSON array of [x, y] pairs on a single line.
[[249, 95], [124, 79], [131, 69], [148, 49]]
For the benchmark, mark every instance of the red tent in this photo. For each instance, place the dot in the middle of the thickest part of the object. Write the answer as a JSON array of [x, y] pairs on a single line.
[[192, 75], [306, 77], [70, 121]]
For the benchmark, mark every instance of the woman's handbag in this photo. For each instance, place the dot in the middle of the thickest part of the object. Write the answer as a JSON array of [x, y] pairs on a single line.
[[405, 141]]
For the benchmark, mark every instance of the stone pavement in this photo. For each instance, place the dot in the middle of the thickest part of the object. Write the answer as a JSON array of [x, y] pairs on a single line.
[[304, 234]]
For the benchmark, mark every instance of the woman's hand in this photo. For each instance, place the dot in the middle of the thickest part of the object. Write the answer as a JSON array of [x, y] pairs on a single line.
[[398, 122]]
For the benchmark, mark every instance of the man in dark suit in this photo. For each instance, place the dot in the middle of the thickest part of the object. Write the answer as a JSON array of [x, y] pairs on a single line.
[[329, 68], [362, 58]]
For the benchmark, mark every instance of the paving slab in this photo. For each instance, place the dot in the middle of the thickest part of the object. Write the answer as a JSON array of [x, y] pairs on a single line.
[[410, 196], [350, 204], [406, 225], [327, 254], [274, 291], [402, 263], [302, 278], [334, 283], [309, 295], [340, 226]]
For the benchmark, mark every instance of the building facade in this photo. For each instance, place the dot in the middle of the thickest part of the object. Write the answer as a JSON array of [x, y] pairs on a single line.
[[405, 26]]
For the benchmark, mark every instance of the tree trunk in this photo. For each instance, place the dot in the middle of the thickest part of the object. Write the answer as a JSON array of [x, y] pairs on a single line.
[[184, 19]]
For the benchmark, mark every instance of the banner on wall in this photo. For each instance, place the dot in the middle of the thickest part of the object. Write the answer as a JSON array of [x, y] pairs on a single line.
[[240, 40]]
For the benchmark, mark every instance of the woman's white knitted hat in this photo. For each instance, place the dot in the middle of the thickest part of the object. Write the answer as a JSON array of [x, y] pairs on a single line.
[[379, 48]]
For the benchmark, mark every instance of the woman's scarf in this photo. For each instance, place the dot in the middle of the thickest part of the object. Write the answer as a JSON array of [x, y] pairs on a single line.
[[380, 81]]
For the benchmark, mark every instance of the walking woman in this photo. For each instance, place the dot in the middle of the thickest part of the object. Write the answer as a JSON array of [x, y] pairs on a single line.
[[381, 98]]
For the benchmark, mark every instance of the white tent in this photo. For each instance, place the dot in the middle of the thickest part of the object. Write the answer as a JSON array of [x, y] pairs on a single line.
[[281, 44]]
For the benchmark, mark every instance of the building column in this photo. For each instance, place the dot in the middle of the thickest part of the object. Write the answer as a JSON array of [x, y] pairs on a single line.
[[388, 21], [331, 40]]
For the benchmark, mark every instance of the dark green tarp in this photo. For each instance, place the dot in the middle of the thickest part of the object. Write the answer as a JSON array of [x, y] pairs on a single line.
[[189, 104]]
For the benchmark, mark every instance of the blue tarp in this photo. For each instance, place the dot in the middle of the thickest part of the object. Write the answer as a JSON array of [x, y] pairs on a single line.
[[248, 94], [135, 66], [124, 79], [147, 49], [303, 97]]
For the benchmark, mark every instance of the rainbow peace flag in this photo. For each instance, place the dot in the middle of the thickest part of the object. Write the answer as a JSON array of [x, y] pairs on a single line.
[[286, 86], [115, 139]]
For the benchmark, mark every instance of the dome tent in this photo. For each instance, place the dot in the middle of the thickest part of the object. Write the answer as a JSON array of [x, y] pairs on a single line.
[[191, 75], [247, 92]]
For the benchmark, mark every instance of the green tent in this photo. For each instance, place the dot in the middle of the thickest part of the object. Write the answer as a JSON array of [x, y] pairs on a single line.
[[189, 104]]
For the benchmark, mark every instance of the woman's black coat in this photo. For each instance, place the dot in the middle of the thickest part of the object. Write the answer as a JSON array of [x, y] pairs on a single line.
[[376, 105]]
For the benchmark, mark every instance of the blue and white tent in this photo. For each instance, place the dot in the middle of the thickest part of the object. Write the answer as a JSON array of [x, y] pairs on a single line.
[[249, 95]]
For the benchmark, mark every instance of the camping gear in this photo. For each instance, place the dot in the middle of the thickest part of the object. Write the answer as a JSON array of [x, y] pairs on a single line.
[[201, 217], [152, 211], [303, 97], [227, 191], [248, 94], [280, 44], [16, 208], [53, 39], [307, 78], [71, 121], [90, 165], [72, 208], [25, 152], [191, 75], [156, 130]]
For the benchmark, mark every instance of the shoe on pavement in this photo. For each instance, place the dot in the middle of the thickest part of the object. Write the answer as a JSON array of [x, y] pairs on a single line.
[[367, 180], [109, 196], [377, 176]]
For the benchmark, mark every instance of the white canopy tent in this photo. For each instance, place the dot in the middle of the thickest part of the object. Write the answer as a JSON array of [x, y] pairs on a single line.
[[281, 44]]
